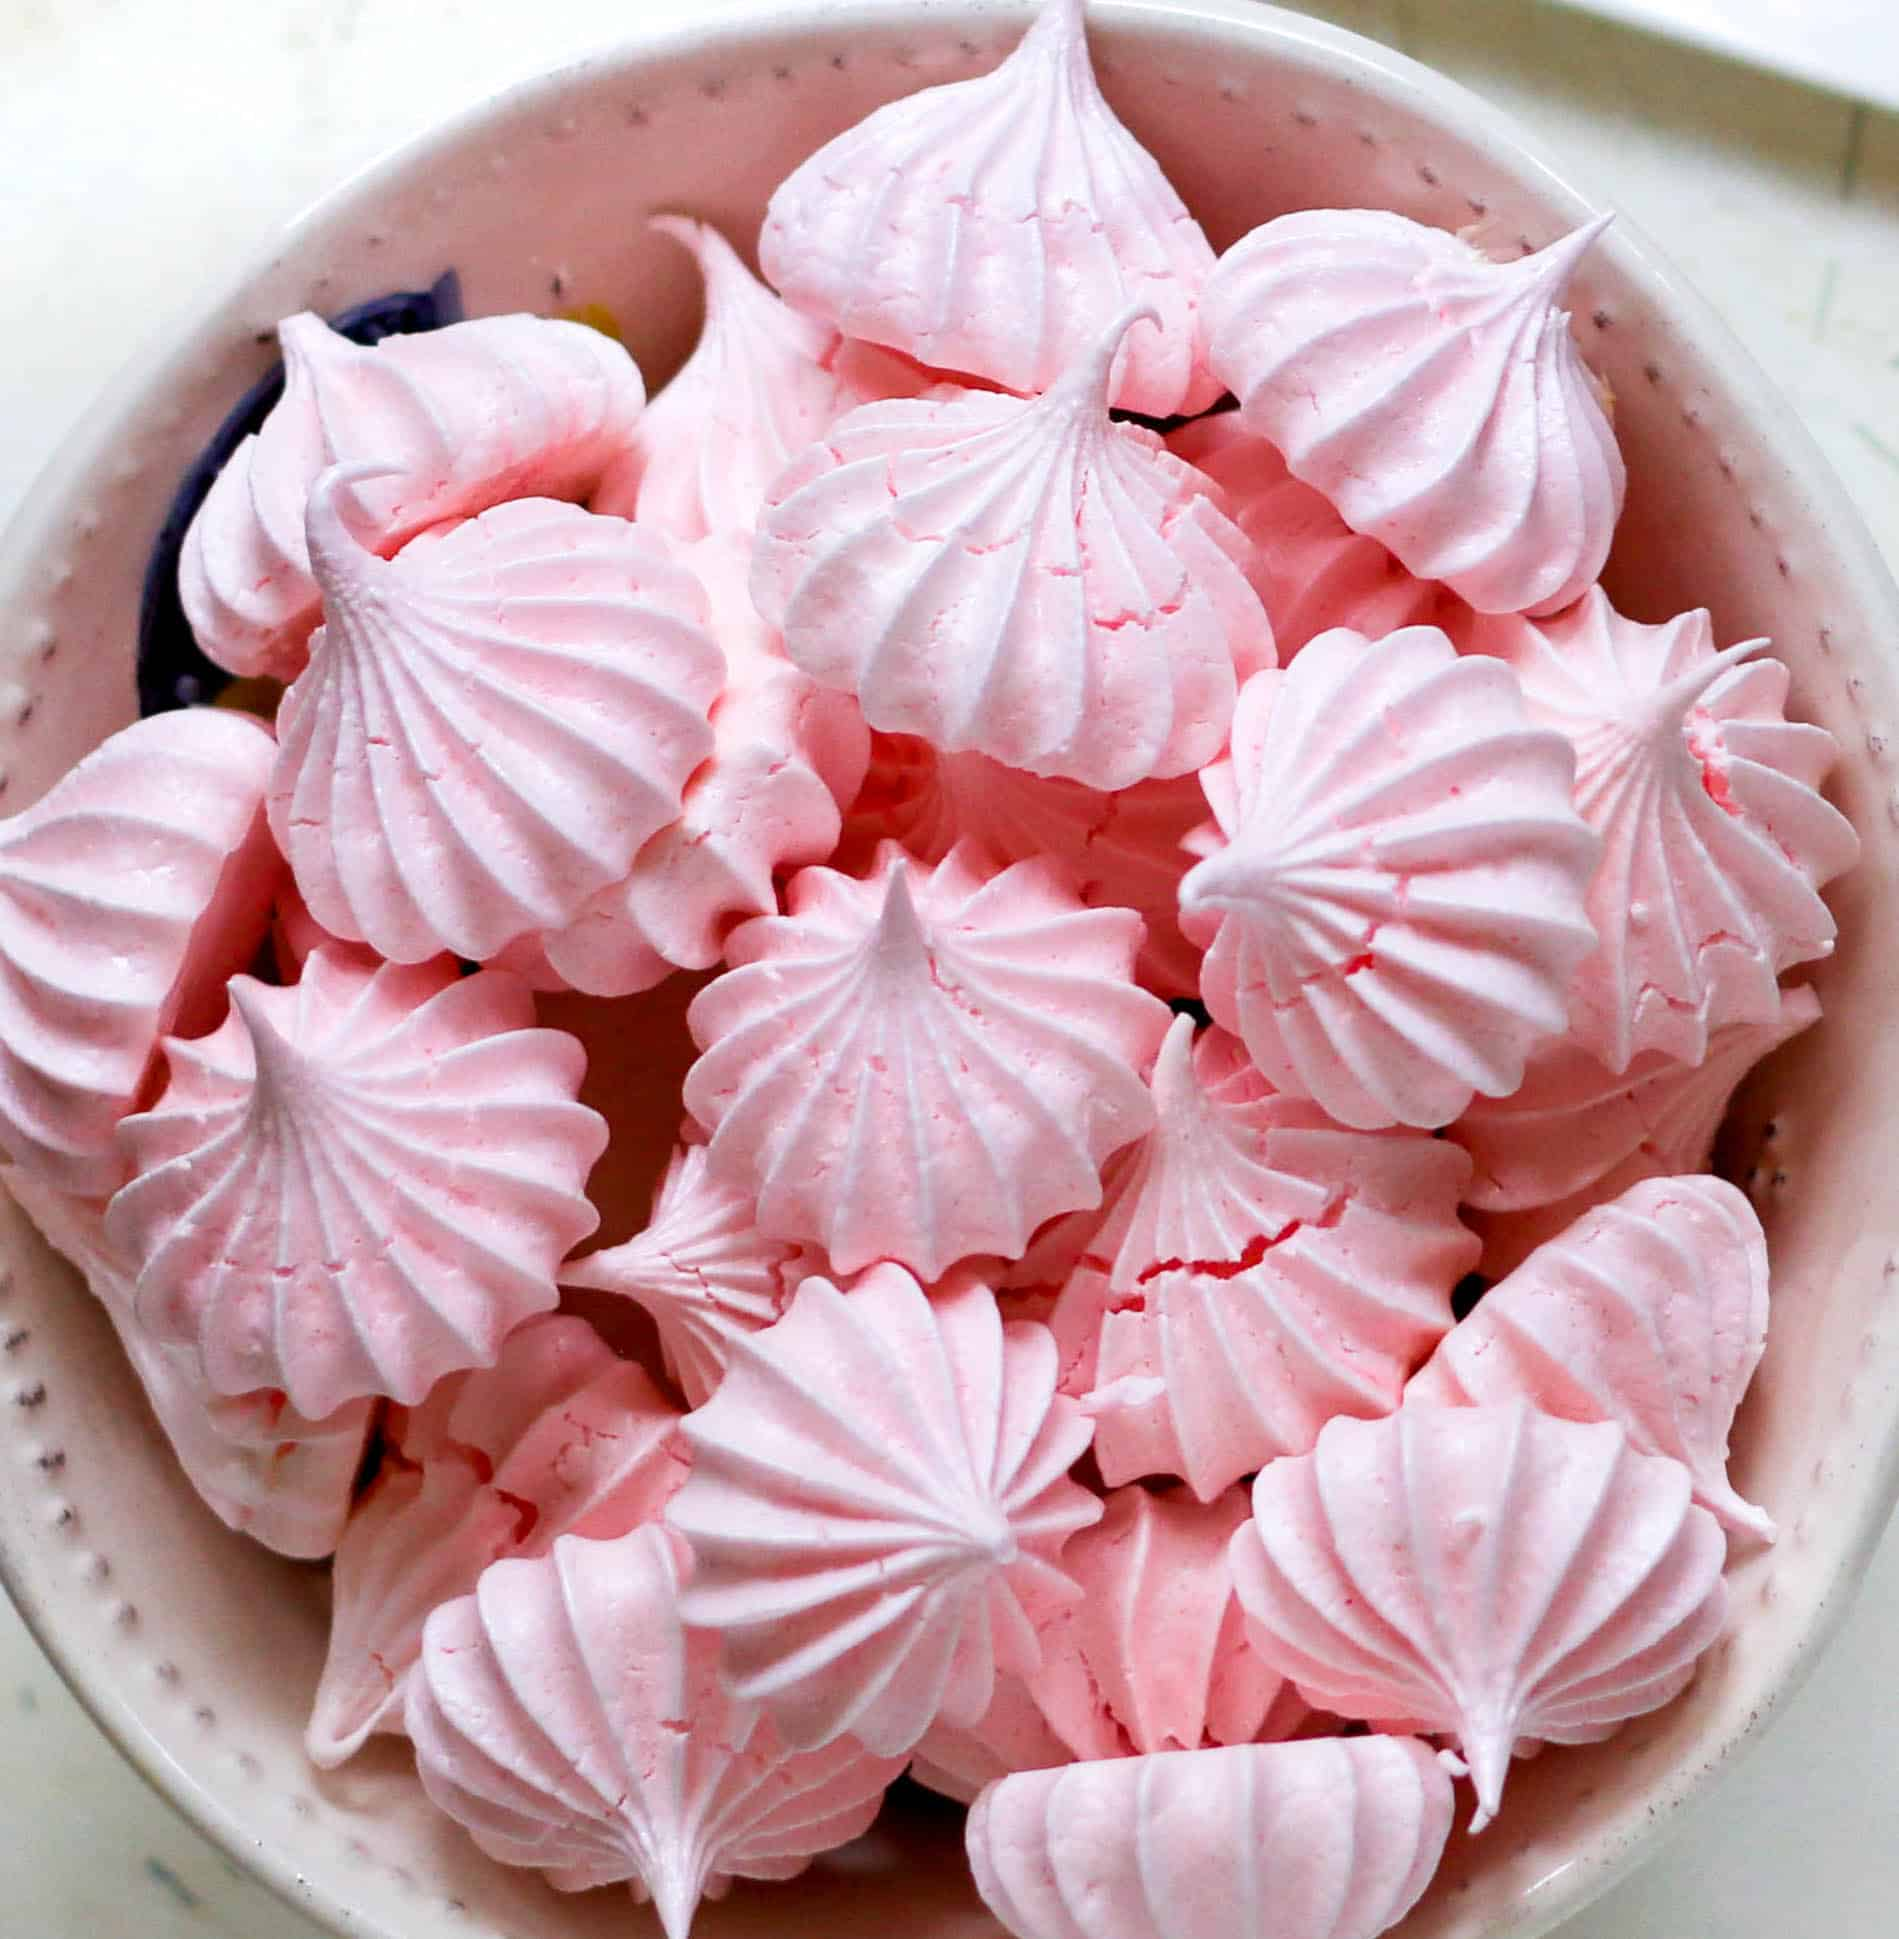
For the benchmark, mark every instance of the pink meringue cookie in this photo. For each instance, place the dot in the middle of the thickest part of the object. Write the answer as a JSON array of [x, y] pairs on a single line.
[[496, 408], [1155, 1646], [956, 1761], [924, 1065], [260, 1466], [701, 1269], [569, 1722], [1255, 1270], [359, 1184], [1650, 1311], [1715, 837], [1334, 1839], [559, 1437], [1124, 850], [490, 724], [1437, 398], [879, 1492], [1489, 1572], [785, 757], [1030, 580], [1395, 883], [989, 225], [1312, 572], [128, 893], [756, 390], [1572, 1124]]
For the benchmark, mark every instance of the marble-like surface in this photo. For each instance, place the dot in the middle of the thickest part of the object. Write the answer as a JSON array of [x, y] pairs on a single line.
[[150, 146]]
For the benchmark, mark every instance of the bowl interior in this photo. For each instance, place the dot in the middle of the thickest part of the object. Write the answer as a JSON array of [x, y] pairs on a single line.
[[198, 1651]]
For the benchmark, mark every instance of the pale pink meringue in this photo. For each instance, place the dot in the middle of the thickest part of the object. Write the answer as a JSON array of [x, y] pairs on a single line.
[[1030, 580], [702, 1270], [1715, 837], [1489, 1573], [496, 408], [756, 390], [1395, 881], [1254, 1270], [1155, 1648], [1124, 850], [558, 1437], [1571, 1124], [1436, 397], [1334, 1839], [785, 758], [1011, 1735], [490, 724], [128, 893], [358, 1184], [879, 1488], [1650, 1311], [926, 1064], [569, 1722], [1311, 570], [260, 1466], [990, 225]]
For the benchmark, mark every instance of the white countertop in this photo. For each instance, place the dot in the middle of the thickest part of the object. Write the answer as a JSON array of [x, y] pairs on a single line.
[[150, 145]]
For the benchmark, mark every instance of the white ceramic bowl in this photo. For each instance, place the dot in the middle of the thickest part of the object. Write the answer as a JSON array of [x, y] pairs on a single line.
[[197, 1652]]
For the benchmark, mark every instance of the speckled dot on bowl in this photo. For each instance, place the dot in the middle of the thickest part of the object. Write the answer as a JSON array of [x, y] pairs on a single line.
[[198, 1653]]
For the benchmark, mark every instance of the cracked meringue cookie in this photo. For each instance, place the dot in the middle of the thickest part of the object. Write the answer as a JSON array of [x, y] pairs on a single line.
[[490, 725], [1125, 850], [988, 226], [1436, 397], [261, 1467], [1332, 1839], [569, 1722], [785, 758], [1715, 837], [1488, 1573], [358, 1184], [924, 1065], [1650, 1311], [1254, 1269], [129, 892], [877, 1507], [1381, 803], [1031, 580], [466, 417], [558, 1437], [1312, 572]]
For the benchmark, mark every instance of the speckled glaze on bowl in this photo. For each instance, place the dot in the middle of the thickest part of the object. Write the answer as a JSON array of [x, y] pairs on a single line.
[[197, 1652]]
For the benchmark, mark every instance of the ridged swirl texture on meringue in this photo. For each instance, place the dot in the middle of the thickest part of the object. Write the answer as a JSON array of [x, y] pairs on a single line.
[[1436, 397], [988, 226], [358, 1184], [564, 1717], [925, 1064], [491, 724], [98, 962], [559, 1437], [1031, 580], [1125, 849], [1487, 1573], [756, 390], [1254, 1270], [1381, 803], [1650, 1311], [1333, 1839], [495, 408], [878, 1503], [785, 758], [1311, 570], [261, 1467], [1715, 837]]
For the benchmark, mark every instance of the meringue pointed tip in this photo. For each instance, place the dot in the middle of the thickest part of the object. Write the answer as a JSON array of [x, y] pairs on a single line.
[[1487, 1750], [1558, 261], [1744, 1518], [675, 1893], [1173, 1067], [326, 523], [899, 927], [702, 241], [1673, 701]]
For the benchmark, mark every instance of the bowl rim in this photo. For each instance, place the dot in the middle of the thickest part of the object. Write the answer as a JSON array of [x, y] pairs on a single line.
[[1384, 73]]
